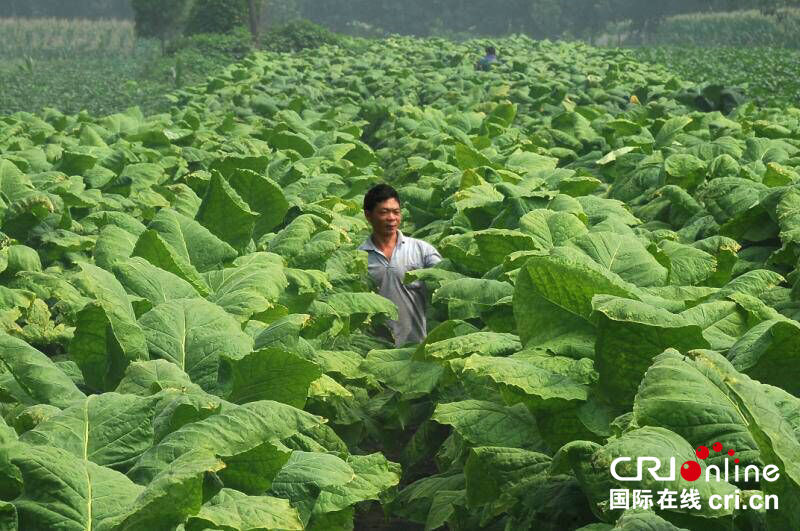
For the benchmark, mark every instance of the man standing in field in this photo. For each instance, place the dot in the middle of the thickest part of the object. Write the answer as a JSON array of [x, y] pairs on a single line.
[[486, 62], [389, 255]]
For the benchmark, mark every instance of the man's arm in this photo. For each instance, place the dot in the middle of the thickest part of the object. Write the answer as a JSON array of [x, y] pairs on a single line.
[[431, 256]]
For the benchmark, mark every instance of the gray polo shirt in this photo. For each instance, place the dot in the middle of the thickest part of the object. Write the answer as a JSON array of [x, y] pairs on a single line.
[[409, 254]]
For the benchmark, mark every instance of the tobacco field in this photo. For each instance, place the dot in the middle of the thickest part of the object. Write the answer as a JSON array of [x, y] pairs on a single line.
[[187, 329]]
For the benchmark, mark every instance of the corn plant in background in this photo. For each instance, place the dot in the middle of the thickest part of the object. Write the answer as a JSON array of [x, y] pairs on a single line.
[[58, 38]]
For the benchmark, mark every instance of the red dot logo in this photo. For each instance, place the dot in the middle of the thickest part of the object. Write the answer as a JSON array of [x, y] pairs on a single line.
[[731, 452], [702, 452], [717, 447], [690, 471], [736, 460]]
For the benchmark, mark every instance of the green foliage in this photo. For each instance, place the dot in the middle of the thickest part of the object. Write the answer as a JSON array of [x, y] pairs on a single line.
[[740, 28], [298, 35], [187, 330], [160, 20], [279, 12], [191, 59], [50, 38], [233, 45], [767, 75], [101, 67], [216, 16], [102, 82]]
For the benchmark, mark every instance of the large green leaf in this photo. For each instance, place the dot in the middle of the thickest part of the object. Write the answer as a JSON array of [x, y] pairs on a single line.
[[305, 242], [63, 491], [354, 309], [174, 494], [247, 438], [722, 322], [549, 228], [113, 244], [397, 370], [469, 297], [108, 429], [192, 240], [414, 501], [495, 244], [107, 336], [553, 300], [231, 509], [554, 388], [670, 129], [153, 248], [289, 140], [145, 378], [527, 162], [496, 472], [468, 158], [687, 265], [630, 334], [304, 286], [788, 214], [463, 346], [193, 334], [548, 381], [624, 255], [267, 374], [684, 396], [483, 423], [770, 417], [374, 476], [592, 465], [36, 374], [264, 196], [246, 290], [226, 214], [304, 476], [768, 353], [143, 279]]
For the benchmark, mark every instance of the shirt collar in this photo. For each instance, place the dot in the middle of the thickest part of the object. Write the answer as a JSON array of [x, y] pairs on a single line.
[[368, 244]]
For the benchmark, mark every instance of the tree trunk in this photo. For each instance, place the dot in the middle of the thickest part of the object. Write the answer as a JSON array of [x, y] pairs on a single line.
[[254, 12]]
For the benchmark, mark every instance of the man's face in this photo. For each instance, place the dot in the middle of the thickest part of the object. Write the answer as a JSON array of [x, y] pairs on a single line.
[[385, 218]]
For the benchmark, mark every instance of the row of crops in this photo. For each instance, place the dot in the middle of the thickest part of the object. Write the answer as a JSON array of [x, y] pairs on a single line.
[[745, 28], [78, 65], [767, 76], [187, 325]]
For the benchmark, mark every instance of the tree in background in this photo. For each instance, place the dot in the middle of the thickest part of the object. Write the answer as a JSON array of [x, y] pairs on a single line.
[[254, 17], [217, 16], [589, 17], [545, 18], [162, 20], [225, 16]]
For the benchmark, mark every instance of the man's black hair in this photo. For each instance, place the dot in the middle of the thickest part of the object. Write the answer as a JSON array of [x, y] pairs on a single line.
[[490, 50], [378, 194]]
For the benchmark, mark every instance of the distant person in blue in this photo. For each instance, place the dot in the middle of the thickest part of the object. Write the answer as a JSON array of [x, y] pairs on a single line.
[[488, 60], [390, 254]]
